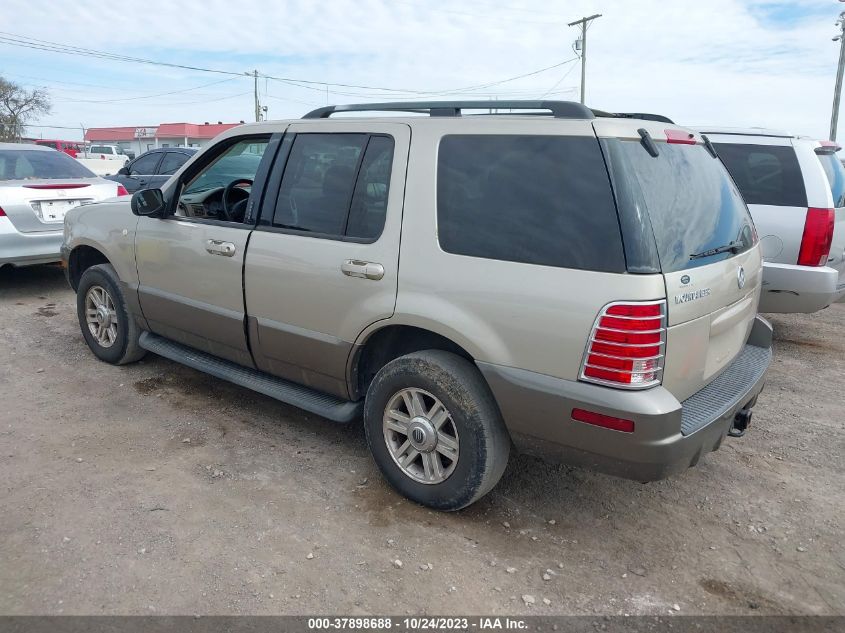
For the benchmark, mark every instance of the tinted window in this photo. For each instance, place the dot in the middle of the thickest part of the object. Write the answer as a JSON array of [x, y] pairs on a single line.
[[100, 149], [765, 174], [318, 182], [534, 199], [171, 162], [24, 164], [692, 204], [835, 176], [145, 165], [369, 203]]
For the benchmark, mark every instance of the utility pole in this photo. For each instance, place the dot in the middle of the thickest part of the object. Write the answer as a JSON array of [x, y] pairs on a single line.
[[257, 104], [584, 23], [837, 92]]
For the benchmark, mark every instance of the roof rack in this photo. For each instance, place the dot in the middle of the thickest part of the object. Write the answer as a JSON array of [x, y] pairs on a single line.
[[645, 116], [558, 109]]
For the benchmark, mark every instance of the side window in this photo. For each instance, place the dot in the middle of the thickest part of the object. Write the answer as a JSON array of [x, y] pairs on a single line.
[[765, 174], [369, 203], [542, 200], [171, 162], [318, 182], [336, 185], [145, 165], [835, 173], [233, 162]]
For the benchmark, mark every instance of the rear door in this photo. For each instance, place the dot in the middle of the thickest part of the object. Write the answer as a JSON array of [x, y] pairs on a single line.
[[323, 263], [768, 173], [141, 171], [695, 210], [169, 165]]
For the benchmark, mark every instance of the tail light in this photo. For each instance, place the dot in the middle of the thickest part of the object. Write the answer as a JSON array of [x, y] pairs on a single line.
[[817, 238], [626, 347], [121, 191], [2, 213]]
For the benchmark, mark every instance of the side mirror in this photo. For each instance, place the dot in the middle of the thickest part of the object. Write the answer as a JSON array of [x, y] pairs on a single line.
[[148, 203], [123, 171]]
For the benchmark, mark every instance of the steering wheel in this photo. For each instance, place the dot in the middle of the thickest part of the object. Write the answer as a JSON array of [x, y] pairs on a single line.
[[226, 209]]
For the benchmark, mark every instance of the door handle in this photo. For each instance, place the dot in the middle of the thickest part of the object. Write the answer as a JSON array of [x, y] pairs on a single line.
[[218, 247], [365, 270]]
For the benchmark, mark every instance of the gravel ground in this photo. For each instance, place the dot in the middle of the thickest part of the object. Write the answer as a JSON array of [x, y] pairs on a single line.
[[153, 488]]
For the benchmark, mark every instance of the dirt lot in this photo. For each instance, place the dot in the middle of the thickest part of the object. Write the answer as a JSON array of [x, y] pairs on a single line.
[[155, 489]]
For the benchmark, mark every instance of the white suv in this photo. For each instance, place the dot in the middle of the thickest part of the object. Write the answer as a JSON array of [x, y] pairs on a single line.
[[795, 190]]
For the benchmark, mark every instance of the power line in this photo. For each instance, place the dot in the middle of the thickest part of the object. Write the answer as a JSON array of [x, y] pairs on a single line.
[[55, 47], [151, 96]]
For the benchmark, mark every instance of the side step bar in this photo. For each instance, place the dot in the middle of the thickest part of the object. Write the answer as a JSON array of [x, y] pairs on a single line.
[[288, 392]]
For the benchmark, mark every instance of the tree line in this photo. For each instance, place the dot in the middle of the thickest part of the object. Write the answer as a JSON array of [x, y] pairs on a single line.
[[19, 106]]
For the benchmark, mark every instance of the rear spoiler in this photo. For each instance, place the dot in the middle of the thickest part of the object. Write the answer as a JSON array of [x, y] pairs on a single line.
[[828, 147], [645, 116]]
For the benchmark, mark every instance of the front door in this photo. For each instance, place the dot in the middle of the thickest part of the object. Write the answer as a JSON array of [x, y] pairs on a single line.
[[323, 262], [190, 263]]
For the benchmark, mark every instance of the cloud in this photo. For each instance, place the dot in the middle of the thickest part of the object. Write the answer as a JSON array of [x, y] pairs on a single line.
[[727, 62]]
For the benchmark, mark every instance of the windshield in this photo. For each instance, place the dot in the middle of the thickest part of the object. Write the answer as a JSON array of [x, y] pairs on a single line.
[[835, 173], [36, 164], [692, 203]]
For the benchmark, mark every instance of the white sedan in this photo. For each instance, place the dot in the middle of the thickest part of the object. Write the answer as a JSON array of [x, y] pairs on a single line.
[[38, 186]]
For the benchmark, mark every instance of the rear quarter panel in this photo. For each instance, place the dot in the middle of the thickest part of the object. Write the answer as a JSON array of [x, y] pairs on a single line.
[[528, 316]]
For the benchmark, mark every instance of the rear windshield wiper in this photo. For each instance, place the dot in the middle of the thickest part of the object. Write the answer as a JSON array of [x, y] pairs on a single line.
[[733, 247]]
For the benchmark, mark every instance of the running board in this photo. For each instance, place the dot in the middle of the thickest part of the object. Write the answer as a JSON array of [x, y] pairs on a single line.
[[305, 398]]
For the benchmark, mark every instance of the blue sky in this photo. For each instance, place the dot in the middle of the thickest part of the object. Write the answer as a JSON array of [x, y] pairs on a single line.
[[727, 62]]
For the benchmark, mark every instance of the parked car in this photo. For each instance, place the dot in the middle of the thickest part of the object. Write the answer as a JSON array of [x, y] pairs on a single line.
[[71, 148], [581, 287], [38, 186], [152, 169], [795, 190], [107, 152]]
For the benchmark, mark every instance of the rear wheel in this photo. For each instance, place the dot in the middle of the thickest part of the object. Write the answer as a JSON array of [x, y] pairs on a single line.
[[107, 326], [434, 429]]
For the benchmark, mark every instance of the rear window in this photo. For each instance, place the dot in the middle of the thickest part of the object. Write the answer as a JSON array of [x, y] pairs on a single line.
[[33, 164], [692, 204], [835, 176], [765, 174], [101, 149], [533, 199]]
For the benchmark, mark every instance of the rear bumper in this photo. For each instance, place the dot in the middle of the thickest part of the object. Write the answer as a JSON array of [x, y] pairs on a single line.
[[669, 436], [792, 288], [26, 249]]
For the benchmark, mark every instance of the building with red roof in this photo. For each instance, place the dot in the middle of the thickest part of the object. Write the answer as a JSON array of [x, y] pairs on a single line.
[[139, 139]]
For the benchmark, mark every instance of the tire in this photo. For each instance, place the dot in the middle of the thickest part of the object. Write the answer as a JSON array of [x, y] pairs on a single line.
[[474, 427], [102, 282]]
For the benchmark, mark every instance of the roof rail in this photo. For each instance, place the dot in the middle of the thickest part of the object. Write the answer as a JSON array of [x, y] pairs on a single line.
[[558, 109], [645, 116]]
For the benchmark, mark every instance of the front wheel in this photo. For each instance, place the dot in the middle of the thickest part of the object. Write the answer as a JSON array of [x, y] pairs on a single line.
[[434, 429], [107, 326]]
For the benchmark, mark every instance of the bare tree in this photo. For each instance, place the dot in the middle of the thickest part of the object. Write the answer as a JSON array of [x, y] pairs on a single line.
[[18, 106]]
